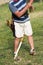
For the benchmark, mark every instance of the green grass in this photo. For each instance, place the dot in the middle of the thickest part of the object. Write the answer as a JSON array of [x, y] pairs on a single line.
[[38, 6], [6, 39]]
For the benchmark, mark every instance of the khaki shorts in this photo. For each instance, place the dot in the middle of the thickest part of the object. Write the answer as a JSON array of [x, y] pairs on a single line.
[[22, 29]]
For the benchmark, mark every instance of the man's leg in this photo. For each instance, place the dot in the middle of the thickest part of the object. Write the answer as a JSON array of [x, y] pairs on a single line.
[[30, 40], [28, 32], [18, 34], [16, 43]]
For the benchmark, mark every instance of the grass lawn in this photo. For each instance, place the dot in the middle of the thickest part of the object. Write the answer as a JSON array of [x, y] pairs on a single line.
[[6, 38]]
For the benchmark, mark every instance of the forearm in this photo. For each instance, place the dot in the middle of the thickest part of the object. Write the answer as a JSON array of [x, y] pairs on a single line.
[[23, 10], [20, 13]]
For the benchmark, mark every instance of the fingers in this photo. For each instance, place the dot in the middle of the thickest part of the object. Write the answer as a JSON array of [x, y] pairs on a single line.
[[29, 4]]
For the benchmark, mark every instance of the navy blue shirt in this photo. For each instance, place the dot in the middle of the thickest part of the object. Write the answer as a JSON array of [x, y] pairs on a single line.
[[18, 6]]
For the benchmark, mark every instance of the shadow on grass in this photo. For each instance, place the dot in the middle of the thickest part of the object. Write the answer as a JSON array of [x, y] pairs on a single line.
[[25, 46]]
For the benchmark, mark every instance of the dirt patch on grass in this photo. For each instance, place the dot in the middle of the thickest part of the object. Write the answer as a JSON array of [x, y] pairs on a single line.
[[3, 1], [36, 14]]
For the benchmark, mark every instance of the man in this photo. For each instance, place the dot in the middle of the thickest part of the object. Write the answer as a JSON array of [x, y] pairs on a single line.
[[19, 10]]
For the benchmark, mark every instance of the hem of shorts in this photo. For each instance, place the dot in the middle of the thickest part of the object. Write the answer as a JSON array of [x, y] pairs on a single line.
[[29, 34]]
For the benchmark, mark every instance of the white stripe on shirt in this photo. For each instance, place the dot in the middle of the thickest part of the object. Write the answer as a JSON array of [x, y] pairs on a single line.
[[22, 6], [18, 3]]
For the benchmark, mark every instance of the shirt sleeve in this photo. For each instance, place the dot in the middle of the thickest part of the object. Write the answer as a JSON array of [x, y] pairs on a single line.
[[12, 8]]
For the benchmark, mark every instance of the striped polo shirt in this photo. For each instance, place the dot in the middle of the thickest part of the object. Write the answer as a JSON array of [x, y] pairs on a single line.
[[18, 5]]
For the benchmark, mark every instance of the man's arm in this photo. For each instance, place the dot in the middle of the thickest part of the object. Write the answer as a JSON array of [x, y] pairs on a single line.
[[20, 13]]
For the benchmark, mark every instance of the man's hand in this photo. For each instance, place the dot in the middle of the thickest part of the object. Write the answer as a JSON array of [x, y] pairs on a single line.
[[31, 8], [29, 5]]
